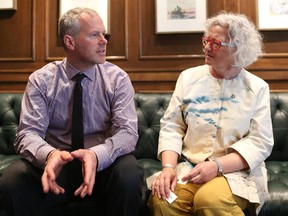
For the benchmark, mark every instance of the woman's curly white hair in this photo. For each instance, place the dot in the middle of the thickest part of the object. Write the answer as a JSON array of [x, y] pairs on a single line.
[[243, 33]]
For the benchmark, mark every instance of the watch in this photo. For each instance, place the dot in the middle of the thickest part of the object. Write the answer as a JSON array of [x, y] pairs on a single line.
[[220, 168]]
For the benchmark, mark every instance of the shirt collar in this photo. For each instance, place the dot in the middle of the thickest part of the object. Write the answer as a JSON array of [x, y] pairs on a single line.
[[72, 71]]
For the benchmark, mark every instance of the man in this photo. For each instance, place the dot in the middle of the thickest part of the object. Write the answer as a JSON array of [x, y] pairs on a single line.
[[47, 172]]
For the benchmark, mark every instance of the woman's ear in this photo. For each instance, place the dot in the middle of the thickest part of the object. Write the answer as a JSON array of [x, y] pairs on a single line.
[[69, 42]]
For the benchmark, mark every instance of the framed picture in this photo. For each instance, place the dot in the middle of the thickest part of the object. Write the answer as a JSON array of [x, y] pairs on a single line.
[[185, 16], [101, 6], [8, 4], [272, 14]]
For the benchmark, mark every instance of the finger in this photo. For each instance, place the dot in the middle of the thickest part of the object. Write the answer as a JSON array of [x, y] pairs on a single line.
[[186, 177], [173, 184], [157, 189], [82, 191], [91, 185], [55, 188], [190, 175], [197, 179], [78, 154], [78, 191], [45, 185], [153, 188], [66, 157], [167, 187], [49, 183], [50, 173], [87, 172], [161, 187]]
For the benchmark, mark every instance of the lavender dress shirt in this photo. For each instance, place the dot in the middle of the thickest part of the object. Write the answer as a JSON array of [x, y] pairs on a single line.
[[110, 120]]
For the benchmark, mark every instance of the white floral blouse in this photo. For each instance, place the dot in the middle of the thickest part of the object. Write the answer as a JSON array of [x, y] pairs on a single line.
[[208, 117]]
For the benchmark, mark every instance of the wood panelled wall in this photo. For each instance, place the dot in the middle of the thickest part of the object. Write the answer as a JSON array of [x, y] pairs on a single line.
[[28, 40]]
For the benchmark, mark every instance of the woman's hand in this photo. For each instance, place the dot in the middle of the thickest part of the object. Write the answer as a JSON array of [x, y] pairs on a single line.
[[202, 172], [165, 182]]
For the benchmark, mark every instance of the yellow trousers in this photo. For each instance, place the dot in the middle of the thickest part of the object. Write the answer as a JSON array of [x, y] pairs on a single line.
[[213, 198]]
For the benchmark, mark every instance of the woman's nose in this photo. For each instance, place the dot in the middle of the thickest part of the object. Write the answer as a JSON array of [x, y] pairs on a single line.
[[207, 46]]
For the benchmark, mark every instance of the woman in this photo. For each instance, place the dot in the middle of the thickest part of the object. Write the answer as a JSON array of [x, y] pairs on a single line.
[[219, 121]]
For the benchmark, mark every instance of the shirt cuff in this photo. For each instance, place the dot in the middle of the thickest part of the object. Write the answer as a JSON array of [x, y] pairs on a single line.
[[42, 155], [103, 157]]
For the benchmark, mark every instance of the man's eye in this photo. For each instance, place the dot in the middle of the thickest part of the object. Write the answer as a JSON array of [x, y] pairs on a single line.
[[98, 34]]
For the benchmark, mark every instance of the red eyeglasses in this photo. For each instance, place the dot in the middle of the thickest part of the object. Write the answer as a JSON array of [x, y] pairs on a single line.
[[215, 44]]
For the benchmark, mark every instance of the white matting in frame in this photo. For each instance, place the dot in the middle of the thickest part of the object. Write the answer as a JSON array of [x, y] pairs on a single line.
[[272, 14], [180, 16], [8, 4], [101, 6]]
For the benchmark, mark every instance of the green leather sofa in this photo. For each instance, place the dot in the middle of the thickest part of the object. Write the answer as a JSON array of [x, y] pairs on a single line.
[[150, 108]]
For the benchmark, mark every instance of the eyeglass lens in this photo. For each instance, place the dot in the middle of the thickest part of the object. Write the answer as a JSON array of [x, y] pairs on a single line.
[[214, 45]]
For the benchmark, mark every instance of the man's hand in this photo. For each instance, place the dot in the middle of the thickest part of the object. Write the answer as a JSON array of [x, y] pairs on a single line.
[[89, 165], [55, 161]]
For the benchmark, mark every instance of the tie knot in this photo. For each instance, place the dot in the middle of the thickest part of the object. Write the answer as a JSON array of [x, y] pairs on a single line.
[[79, 77]]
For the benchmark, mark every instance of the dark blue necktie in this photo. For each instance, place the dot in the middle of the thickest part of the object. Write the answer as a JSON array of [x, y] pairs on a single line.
[[77, 115], [77, 134]]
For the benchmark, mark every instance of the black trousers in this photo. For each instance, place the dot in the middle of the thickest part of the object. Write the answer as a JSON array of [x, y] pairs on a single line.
[[117, 191]]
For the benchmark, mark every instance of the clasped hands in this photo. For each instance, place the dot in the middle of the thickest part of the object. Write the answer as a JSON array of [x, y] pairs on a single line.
[[167, 180], [57, 159]]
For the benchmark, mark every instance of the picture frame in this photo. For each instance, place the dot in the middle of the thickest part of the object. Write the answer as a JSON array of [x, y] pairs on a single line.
[[186, 16], [101, 6], [8, 4], [272, 14]]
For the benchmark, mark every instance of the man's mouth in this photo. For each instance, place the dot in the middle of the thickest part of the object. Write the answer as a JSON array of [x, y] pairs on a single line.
[[101, 51]]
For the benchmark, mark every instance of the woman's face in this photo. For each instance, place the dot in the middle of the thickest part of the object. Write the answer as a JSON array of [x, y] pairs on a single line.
[[220, 59]]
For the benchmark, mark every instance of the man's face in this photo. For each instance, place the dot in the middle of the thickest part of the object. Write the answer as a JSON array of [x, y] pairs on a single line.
[[90, 44]]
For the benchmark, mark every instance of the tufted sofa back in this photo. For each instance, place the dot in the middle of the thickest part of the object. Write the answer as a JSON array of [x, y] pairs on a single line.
[[9, 119], [150, 108], [279, 115], [10, 105]]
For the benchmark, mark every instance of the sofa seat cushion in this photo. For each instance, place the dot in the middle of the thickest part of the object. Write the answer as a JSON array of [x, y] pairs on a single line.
[[150, 167], [277, 178], [277, 202]]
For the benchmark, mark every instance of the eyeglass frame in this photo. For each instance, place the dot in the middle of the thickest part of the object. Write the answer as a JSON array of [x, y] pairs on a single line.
[[217, 42]]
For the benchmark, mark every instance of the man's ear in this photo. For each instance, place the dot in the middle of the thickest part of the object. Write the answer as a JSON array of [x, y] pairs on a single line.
[[69, 42]]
